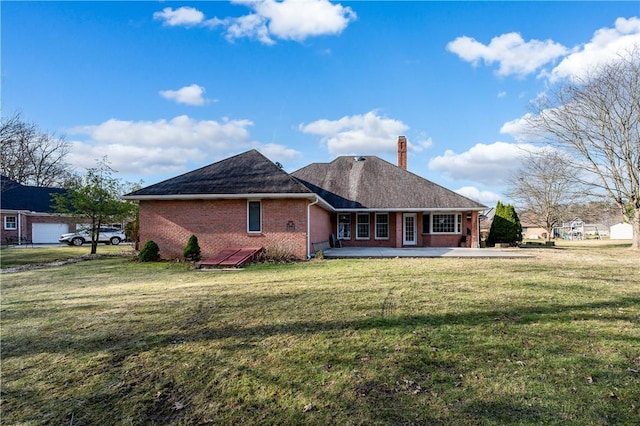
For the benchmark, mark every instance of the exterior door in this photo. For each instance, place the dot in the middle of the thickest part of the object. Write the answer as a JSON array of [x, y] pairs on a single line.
[[409, 229]]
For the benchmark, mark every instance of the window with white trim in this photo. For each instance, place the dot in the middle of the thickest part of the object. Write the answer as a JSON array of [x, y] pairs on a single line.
[[10, 222], [382, 226], [344, 226], [362, 226], [254, 216], [446, 223]]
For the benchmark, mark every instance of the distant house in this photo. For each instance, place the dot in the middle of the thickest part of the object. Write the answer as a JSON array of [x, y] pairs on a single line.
[[248, 201], [531, 228], [533, 232], [27, 211], [621, 231]]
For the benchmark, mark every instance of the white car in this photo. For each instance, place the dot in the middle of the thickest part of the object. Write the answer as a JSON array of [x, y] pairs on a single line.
[[107, 235]]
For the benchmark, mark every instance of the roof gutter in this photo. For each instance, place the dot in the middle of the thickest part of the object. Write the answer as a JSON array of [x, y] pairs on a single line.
[[309, 196], [409, 209]]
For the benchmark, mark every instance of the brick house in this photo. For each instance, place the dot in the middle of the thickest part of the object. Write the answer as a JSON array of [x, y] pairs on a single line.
[[248, 201], [27, 211]]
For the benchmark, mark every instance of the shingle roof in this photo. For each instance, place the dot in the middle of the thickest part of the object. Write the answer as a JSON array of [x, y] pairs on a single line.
[[15, 196], [246, 173], [372, 183]]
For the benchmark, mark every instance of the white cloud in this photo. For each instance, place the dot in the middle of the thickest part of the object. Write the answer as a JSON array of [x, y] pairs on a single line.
[[516, 56], [605, 46], [183, 16], [421, 144], [251, 26], [488, 198], [164, 147], [513, 54], [130, 159], [276, 152], [358, 134], [489, 164], [299, 19], [286, 20], [161, 146], [518, 128], [190, 95]]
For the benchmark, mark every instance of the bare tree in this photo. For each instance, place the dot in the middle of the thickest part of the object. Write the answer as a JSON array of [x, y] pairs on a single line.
[[31, 157], [596, 119], [544, 188]]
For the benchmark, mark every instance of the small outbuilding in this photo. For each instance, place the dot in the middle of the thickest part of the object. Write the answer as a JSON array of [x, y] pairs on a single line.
[[621, 231]]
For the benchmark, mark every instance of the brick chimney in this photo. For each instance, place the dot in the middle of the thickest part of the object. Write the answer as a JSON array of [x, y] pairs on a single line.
[[402, 152]]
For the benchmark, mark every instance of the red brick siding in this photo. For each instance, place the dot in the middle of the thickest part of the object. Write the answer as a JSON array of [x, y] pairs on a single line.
[[441, 240], [398, 230], [221, 224], [321, 227], [474, 225]]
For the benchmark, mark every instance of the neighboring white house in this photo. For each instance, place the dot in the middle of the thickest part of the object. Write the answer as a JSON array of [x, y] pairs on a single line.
[[621, 231]]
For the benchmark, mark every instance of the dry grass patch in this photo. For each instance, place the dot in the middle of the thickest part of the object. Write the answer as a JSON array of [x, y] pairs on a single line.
[[546, 340], [13, 256]]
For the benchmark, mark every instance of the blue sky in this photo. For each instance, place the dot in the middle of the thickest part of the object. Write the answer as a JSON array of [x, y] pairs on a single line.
[[161, 88]]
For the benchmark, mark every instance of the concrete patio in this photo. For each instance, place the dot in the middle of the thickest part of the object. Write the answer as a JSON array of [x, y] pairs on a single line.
[[378, 252]]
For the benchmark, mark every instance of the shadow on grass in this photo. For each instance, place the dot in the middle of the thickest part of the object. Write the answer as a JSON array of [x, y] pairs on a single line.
[[197, 328], [400, 394]]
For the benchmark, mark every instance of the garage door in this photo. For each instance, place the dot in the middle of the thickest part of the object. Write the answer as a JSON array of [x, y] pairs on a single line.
[[43, 233]]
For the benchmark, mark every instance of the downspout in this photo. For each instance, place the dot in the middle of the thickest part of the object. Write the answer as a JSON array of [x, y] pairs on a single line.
[[19, 229], [309, 227]]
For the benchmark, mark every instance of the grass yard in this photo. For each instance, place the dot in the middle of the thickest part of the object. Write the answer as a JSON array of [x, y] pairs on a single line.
[[552, 339]]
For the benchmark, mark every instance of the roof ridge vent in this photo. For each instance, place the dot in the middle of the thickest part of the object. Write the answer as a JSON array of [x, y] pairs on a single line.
[[359, 158]]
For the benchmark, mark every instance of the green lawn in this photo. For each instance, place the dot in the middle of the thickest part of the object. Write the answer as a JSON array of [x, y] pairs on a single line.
[[551, 339]]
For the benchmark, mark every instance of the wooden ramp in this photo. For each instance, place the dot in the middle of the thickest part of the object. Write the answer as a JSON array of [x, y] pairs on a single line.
[[232, 257]]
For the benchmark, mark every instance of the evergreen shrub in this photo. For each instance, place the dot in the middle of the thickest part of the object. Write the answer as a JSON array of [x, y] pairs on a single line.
[[150, 252], [506, 227], [192, 250]]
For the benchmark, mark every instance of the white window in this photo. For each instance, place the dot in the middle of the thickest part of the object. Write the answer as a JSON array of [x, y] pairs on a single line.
[[362, 228], [446, 223], [10, 222], [254, 216], [382, 226], [344, 226]]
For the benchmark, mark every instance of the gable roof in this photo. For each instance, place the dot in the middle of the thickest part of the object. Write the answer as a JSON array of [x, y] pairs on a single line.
[[15, 196], [372, 183], [243, 174]]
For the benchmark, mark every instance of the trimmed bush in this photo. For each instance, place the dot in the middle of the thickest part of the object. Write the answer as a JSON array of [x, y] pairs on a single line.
[[192, 250], [150, 252], [506, 227], [276, 254]]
